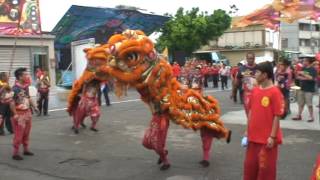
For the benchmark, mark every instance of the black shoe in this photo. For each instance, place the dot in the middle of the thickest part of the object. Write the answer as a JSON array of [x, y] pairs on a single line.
[[94, 129], [165, 167], [46, 114], [204, 163], [83, 125], [108, 104], [229, 137], [159, 161], [76, 131], [17, 157], [28, 153]]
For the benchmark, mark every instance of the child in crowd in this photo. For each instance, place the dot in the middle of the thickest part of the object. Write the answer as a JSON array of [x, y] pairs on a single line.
[[263, 132]]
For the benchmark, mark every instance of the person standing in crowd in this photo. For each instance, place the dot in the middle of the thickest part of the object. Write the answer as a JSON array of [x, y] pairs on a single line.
[[197, 79], [224, 74], [105, 91], [22, 118], [307, 81], [234, 81], [176, 69], [214, 72], [298, 66], [205, 74], [283, 79], [43, 86], [5, 99], [39, 73], [263, 127], [247, 79]]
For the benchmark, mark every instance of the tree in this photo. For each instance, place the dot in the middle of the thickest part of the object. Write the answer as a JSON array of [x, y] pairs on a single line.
[[188, 31]]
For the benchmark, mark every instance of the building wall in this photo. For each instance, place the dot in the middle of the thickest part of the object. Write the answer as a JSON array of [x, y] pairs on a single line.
[[241, 38], [249, 37], [236, 56], [289, 33], [44, 42], [303, 36]]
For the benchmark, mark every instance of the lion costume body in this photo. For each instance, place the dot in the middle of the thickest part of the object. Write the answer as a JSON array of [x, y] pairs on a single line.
[[131, 60]]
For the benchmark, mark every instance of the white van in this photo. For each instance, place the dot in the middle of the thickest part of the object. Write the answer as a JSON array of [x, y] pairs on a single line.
[[212, 56]]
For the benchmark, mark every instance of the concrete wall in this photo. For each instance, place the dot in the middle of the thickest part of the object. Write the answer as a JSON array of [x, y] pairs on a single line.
[[294, 34], [290, 32], [236, 56], [44, 41]]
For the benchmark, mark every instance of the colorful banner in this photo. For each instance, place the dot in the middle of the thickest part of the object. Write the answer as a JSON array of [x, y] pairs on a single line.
[[19, 17], [287, 11]]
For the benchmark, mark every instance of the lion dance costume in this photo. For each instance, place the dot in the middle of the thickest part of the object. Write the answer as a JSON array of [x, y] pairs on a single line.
[[130, 59]]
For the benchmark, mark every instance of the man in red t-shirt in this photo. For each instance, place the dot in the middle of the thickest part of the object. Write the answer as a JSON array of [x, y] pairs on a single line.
[[205, 74], [266, 106], [214, 72]]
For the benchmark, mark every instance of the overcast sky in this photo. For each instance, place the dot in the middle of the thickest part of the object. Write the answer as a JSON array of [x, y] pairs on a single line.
[[53, 10]]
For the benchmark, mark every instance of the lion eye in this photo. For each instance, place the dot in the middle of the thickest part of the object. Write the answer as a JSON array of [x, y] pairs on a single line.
[[132, 56]]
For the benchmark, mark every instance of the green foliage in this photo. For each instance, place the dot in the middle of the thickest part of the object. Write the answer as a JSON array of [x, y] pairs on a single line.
[[188, 30]]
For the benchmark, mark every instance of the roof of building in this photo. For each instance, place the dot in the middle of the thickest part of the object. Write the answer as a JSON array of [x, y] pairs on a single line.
[[81, 22]]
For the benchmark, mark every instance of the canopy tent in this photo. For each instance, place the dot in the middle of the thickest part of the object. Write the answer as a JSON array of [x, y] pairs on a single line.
[[81, 22]]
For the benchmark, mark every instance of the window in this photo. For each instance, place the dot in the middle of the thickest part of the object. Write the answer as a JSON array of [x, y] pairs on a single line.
[[305, 42], [317, 27], [304, 27], [284, 43]]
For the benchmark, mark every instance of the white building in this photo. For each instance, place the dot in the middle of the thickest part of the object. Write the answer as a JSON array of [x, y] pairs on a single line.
[[302, 36]]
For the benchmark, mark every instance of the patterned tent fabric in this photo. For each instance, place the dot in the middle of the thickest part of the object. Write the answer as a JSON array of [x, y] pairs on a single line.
[[20, 17], [81, 22], [281, 11]]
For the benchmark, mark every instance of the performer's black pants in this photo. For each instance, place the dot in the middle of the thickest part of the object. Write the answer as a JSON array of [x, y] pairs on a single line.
[[215, 79], [6, 113], [224, 81], [43, 102], [105, 91]]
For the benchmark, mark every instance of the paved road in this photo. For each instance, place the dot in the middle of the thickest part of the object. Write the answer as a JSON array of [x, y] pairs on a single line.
[[115, 152]]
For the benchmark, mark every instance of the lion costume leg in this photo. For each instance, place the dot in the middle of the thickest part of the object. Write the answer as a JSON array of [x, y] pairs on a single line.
[[95, 115], [155, 138], [207, 139], [78, 115]]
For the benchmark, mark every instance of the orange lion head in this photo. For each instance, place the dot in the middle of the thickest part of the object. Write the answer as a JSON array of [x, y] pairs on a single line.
[[132, 53]]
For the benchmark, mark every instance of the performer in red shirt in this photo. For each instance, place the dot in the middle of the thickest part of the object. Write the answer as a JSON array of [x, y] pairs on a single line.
[[22, 118], [205, 74], [176, 69], [214, 72], [264, 133]]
